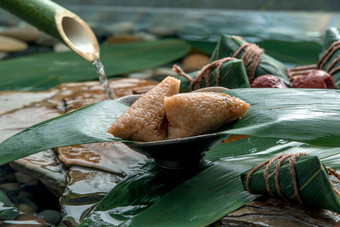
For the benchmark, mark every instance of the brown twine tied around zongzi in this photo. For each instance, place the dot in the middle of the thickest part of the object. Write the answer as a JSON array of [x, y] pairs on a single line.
[[300, 70], [253, 55], [269, 162], [292, 162], [337, 175], [204, 73], [328, 55]]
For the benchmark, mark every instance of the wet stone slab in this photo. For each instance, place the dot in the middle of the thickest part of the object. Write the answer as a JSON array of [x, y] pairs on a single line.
[[274, 212], [111, 157], [76, 95], [79, 188], [86, 187], [45, 167]]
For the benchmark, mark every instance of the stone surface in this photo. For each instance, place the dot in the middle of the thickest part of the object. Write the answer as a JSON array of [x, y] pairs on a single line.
[[51, 216], [194, 62], [46, 40], [11, 100], [121, 28], [145, 36], [40, 106], [60, 47], [46, 167], [8, 44], [85, 188], [112, 157], [25, 220], [273, 212], [76, 95], [18, 120], [26, 33], [25, 208]]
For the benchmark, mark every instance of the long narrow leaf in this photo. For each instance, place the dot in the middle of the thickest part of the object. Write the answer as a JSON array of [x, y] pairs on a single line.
[[201, 200], [43, 71], [307, 115], [86, 125]]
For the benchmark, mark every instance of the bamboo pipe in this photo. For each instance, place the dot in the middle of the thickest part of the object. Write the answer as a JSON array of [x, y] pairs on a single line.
[[58, 22]]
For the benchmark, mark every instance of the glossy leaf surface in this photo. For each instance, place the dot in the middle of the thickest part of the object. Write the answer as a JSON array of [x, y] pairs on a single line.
[[43, 71]]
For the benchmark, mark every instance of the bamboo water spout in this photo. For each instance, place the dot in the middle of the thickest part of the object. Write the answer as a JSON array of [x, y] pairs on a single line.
[[57, 22]]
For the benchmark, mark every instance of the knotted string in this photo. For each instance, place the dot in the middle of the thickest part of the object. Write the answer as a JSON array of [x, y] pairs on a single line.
[[337, 175], [292, 162], [327, 55], [253, 55], [204, 73], [300, 70]]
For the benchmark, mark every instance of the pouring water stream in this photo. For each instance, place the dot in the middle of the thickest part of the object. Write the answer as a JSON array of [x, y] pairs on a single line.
[[103, 79]]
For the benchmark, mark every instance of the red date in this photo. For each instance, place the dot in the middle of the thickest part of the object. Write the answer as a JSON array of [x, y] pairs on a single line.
[[314, 79], [268, 81]]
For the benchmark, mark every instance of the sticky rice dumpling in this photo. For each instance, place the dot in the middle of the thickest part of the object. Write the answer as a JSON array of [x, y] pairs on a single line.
[[145, 119], [191, 114]]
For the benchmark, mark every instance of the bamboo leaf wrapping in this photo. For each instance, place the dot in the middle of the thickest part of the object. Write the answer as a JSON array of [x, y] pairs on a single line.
[[332, 35], [7, 208], [313, 182], [228, 45], [232, 75]]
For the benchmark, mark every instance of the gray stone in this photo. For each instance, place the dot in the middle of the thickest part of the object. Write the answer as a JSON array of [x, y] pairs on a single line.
[[45, 167], [60, 47], [28, 202], [274, 212], [144, 36], [51, 216], [26, 179], [26, 33], [46, 40], [122, 28], [25, 208], [85, 188], [8, 44], [112, 157]]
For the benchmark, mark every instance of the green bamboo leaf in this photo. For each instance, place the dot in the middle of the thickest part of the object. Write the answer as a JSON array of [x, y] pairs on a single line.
[[228, 45], [292, 52], [86, 125], [232, 75], [313, 183], [215, 191], [43, 71], [254, 150], [199, 201], [307, 115], [8, 211], [332, 35]]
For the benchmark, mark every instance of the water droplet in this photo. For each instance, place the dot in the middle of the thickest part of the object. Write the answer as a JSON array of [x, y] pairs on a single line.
[[282, 142], [253, 150]]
